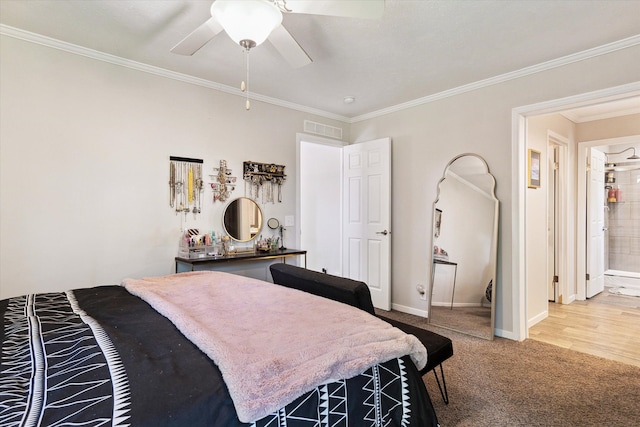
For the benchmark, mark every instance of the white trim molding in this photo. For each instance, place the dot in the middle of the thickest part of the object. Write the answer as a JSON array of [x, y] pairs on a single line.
[[116, 60], [139, 66], [544, 66]]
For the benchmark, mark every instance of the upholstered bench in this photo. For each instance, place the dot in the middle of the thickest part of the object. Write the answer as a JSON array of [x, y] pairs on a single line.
[[355, 293], [439, 349]]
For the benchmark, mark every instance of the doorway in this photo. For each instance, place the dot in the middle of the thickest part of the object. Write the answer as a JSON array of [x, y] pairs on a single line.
[[519, 126], [344, 206], [604, 145], [319, 195]]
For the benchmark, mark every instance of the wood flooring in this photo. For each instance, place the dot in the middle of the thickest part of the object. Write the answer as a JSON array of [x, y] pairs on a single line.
[[606, 325]]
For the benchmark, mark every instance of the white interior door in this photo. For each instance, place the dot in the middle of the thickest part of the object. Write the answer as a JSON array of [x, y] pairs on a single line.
[[552, 224], [595, 223], [367, 217]]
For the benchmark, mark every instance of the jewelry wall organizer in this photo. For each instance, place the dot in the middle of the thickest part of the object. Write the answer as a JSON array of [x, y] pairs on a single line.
[[185, 184], [223, 183], [264, 180]]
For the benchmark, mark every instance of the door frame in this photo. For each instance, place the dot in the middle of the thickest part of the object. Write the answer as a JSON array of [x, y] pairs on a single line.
[[553, 288], [564, 291], [519, 117]]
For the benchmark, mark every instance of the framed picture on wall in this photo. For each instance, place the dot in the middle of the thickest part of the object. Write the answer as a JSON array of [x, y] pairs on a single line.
[[533, 169], [438, 222]]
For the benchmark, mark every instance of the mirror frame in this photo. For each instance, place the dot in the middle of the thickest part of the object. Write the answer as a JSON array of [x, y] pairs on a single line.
[[224, 215], [493, 251], [273, 223]]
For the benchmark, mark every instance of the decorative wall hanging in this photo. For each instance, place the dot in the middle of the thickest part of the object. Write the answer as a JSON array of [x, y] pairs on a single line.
[[438, 223], [265, 181], [223, 183], [533, 169], [185, 184]]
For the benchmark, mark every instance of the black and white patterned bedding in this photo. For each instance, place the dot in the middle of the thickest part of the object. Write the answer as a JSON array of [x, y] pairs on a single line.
[[101, 356]]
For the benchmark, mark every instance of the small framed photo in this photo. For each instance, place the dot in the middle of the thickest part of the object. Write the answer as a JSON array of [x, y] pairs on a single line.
[[438, 223], [533, 169]]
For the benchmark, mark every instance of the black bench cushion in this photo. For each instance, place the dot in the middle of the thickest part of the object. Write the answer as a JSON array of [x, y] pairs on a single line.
[[355, 293], [439, 348], [340, 289]]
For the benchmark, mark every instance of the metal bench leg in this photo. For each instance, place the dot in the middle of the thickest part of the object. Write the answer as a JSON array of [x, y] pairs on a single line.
[[445, 395]]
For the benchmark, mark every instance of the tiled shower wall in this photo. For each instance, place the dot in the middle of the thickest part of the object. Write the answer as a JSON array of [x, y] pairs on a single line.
[[624, 223]]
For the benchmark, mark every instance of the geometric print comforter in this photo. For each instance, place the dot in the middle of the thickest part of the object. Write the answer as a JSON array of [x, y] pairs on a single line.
[[103, 357]]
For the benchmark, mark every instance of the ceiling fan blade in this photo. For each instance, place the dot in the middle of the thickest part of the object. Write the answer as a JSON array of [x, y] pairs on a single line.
[[288, 47], [370, 9], [198, 38]]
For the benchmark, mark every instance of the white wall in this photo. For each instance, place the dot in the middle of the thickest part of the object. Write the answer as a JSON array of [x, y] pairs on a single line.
[[427, 136], [616, 127], [84, 165]]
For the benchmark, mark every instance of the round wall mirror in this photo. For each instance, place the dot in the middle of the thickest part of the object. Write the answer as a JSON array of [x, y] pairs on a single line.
[[242, 219], [273, 223]]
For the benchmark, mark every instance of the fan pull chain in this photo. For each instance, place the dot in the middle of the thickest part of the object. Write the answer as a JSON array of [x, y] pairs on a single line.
[[244, 86]]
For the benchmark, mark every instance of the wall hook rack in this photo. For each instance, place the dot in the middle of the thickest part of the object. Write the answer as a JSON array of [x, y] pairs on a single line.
[[185, 184], [265, 180]]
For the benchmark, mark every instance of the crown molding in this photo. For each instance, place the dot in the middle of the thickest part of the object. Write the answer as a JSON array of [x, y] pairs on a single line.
[[139, 66], [544, 66], [116, 60]]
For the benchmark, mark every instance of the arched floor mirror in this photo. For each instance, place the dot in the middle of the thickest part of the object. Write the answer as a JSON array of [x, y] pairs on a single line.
[[465, 238]]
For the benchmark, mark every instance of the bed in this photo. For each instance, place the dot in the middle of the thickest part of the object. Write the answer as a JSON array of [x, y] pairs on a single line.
[[105, 356]]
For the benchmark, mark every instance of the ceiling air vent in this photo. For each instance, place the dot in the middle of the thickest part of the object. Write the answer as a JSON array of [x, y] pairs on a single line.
[[324, 130]]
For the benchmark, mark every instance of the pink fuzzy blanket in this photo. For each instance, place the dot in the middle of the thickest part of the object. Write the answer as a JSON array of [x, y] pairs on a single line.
[[272, 343]]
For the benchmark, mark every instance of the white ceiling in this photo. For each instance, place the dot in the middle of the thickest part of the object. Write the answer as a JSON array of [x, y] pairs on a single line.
[[418, 49]]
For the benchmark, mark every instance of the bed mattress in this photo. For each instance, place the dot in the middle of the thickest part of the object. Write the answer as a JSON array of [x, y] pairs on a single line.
[[102, 356]]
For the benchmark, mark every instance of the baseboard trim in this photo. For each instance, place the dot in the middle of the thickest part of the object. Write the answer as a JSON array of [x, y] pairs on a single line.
[[539, 318], [505, 334], [409, 310]]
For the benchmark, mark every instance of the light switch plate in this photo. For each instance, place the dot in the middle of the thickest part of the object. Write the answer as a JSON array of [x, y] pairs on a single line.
[[289, 221]]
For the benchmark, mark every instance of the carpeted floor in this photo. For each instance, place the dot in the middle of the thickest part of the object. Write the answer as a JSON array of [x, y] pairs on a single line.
[[530, 383]]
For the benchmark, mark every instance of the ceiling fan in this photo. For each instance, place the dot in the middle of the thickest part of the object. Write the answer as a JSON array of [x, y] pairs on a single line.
[[251, 22]]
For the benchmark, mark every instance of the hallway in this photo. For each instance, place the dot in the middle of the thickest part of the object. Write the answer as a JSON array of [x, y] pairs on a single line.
[[606, 325]]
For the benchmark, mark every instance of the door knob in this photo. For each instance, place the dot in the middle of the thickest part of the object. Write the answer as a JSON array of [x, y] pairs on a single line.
[[383, 232]]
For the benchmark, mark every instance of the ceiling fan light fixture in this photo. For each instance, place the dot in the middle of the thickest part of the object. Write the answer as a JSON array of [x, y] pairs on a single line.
[[247, 20]]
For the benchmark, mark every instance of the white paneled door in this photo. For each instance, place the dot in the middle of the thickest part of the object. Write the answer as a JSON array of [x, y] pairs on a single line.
[[595, 224], [367, 217]]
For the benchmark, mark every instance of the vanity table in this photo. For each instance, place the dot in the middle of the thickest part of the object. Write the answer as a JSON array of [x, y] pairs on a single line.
[[242, 222], [211, 262]]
